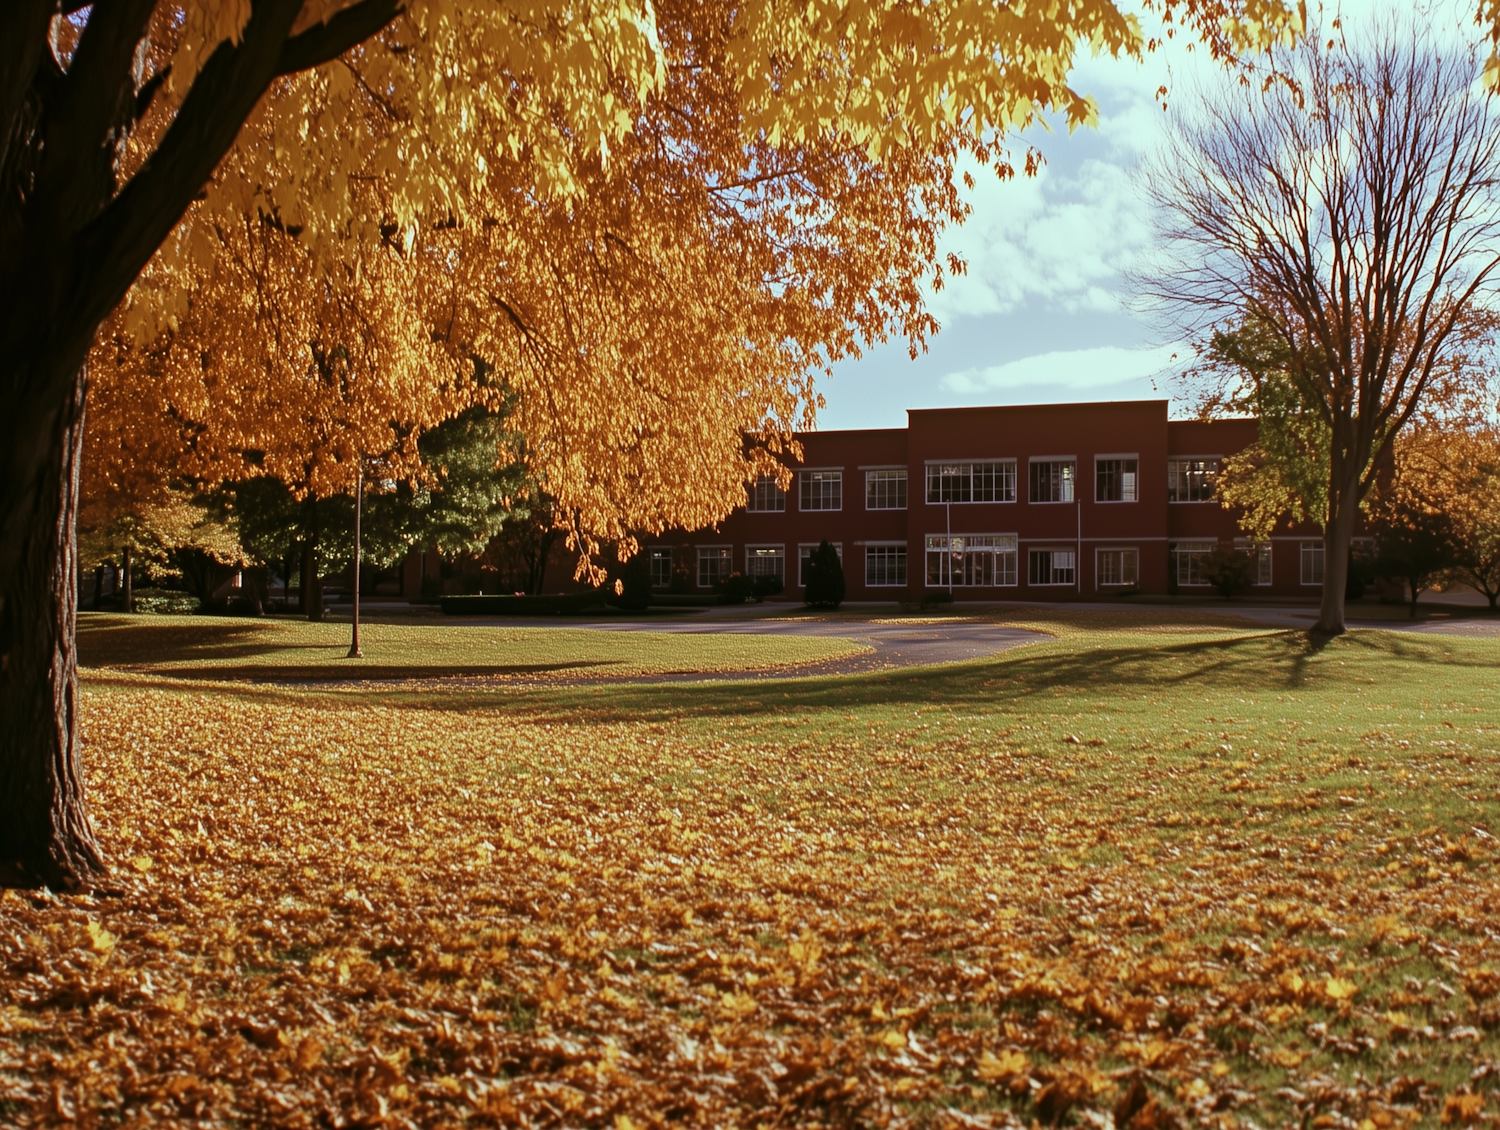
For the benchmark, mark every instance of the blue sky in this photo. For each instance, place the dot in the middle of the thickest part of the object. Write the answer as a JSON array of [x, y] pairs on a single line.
[[1045, 314]]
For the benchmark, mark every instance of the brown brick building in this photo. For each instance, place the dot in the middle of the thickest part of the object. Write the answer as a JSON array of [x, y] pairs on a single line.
[[1038, 502]]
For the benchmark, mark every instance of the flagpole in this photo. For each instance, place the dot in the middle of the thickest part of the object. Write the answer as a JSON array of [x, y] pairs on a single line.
[[359, 506]]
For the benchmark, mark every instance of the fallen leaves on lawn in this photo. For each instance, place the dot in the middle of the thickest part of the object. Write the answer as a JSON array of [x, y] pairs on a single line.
[[335, 914]]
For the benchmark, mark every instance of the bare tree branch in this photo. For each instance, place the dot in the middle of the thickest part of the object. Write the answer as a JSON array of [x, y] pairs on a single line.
[[1351, 213]]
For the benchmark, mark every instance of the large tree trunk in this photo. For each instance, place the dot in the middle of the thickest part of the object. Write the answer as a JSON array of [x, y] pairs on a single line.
[[1338, 535], [45, 838], [312, 587]]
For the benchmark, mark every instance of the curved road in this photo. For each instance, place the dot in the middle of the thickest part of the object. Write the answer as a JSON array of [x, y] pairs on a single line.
[[894, 641]]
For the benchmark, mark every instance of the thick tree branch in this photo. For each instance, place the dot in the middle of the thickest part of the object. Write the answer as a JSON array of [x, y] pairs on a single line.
[[349, 28], [23, 38], [119, 242]]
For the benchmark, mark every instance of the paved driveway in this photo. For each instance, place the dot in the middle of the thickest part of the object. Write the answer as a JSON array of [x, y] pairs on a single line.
[[893, 641]]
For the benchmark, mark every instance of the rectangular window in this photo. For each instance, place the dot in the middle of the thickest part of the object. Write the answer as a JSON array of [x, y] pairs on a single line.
[[1052, 480], [1050, 567], [1312, 563], [766, 494], [1191, 480], [1114, 480], [885, 489], [885, 565], [822, 490], [661, 568], [805, 551], [1188, 560], [1116, 566], [715, 562], [1260, 556], [971, 560], [765, 561], [993, 481]]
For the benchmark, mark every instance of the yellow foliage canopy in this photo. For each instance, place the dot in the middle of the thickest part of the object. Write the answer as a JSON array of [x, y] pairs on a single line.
[[653, 225]]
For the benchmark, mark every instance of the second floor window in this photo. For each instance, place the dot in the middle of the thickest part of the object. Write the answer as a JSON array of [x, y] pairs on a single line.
[[1115, 480], [1191, 480], [766, 494], [822, 490], [885, 489], [972, 482], [1052, 480]]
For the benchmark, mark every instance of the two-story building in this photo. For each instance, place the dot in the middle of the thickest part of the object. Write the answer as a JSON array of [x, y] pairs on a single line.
[[1035, 502]]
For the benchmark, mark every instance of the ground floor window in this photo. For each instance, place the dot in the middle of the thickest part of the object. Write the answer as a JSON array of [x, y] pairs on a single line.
[[715, 562], [661, 568], [1312, 563], [885, 565], [765, 561], [804, 554], [1260, 558], [1188, 561], [1117, 566], [1050, 567], [970, 560]]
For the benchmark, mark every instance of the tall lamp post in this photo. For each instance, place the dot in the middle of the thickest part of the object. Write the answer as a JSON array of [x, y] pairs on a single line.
[[359, 506]]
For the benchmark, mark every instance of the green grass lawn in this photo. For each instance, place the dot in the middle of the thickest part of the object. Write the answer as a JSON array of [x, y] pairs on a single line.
[[1166, 867], [221, 648]]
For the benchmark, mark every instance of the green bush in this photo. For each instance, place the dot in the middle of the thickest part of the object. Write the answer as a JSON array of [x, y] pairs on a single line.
[[1229, 570], [824, 577], [557, 604], [633, 581], [735, 588], [933, 597], [766, 585]]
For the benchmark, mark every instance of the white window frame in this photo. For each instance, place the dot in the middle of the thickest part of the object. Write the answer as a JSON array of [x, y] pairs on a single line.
[[804, 551], [889, 475], [1069, 481], [1311, 560], [1260, 554], [657, 554], [757, 494], [897, 549], [1188, 548], [724, 554], [1175, 467], [771, 551], [804, 482], [1053, 568], [1133, 493], [1003, 479], [1128, 576], [995, 555]]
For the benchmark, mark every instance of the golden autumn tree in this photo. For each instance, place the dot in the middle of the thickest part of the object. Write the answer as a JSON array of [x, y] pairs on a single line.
[[114, 117], [1451, 470]]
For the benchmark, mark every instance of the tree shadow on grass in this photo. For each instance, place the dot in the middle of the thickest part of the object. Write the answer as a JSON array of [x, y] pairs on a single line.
[[1260, 663], [123, 641], [362, 672], [1270, 662]]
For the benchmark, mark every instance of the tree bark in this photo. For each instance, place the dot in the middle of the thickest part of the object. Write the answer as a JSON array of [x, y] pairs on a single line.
[[45, 836], [1338, 536], [312, 588], [127, 593]]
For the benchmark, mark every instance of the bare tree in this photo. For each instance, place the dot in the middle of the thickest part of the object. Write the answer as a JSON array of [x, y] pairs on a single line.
[[1349, 207]]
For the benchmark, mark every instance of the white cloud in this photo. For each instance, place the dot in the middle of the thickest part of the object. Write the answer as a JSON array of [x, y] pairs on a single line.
[[1105, 373]]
